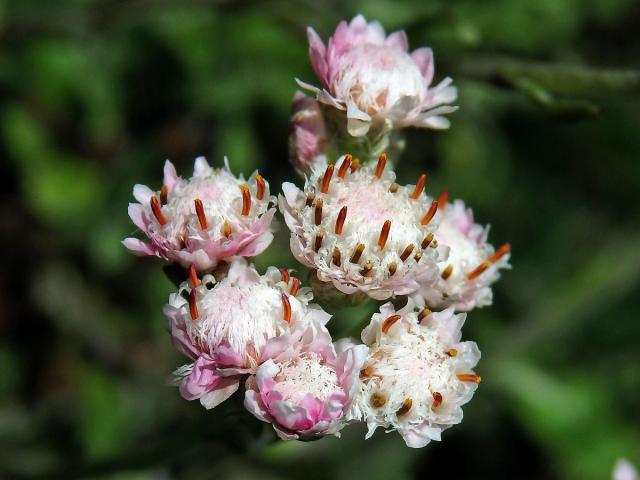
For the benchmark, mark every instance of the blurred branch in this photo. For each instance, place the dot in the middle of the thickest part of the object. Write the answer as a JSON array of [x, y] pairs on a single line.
[[542, 82]]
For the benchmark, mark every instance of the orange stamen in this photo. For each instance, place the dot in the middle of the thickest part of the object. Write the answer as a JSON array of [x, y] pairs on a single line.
[[393, 268], [447, 272], [295, 286], [157, 211], [193, 307], [318, 240], [342, 215], [405, 407], [260, 187], [318, 212], [344, 166], [407, 251], [284, 273], [200, 212], [427, 241], [193, 276], [246, 200], [389, 322], [164, 195], [326, 180], [382, 161], [355, 164], [336, 258], [437, 400], [432, 211], [226, 229], [357, 253], [394, 187], [469, 377], [452, 352], [479, 270], [423, 313], [310, 197], [419, 187], [367, 268], [501, 252], [384, 234], [286, 308]]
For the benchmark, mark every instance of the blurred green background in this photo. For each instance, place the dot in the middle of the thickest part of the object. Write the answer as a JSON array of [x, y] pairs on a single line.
[[94, 95]]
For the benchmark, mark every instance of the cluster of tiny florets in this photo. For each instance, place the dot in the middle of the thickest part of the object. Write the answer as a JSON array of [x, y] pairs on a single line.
[[361, 235]]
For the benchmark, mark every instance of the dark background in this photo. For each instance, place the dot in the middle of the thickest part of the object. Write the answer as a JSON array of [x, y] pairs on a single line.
[[94, 95]]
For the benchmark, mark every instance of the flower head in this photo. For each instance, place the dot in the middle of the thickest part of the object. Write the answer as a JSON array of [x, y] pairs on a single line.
[[362, 231], [306, 388], [308, 136], [213, 216], [471, 265], [417, 374], [375, 79], [228, 327]]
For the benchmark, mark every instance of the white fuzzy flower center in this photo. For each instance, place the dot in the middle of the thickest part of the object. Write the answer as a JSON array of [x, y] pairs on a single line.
[[244, 316], [377, 76], [465, 254], [305, 375]]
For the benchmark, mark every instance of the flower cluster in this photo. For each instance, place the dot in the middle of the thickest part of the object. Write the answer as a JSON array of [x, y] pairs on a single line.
[[360, 235]]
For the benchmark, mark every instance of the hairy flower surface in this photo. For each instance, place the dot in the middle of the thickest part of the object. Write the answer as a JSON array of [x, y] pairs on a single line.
[[362, 231], [226, 326], [305, 389], [417, 375], [471, 265], [375, 79], [308, 136], [213, 216]]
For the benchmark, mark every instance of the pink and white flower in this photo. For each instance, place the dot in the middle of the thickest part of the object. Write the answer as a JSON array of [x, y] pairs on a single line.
[[210, 217], [417, 375], [375, 79], [362, 231], [308, 136], [229, 327], [471, 265], [305, 389]]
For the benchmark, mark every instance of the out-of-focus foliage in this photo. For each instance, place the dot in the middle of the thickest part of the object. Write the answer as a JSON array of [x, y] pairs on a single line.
[[96, 94]]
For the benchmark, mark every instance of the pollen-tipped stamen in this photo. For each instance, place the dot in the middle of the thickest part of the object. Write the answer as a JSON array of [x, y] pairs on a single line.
[[246, 200], [326, 179], [419, 187], [384, 234], [437, 400], [393, 268], [164, 195], [310, 197], [423, 313], [366, 373], [284, 273], [479, 270], [394, 187], [382, 161], [430, 213], [317, 243], [452, 352], [336, 257], [193, 276], [226, 229], [260, 187], [407, 252], [355, 164], [202, 218], [342, 215], [295, 286], [405, 407], [193, 306], [427, 241], [446, 273], [469, 377], [378, 400], [157, 211], [501, 252], [286, 308], [344, 166], [389, 322], [367, 268], [318, 211], [357, 253]]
